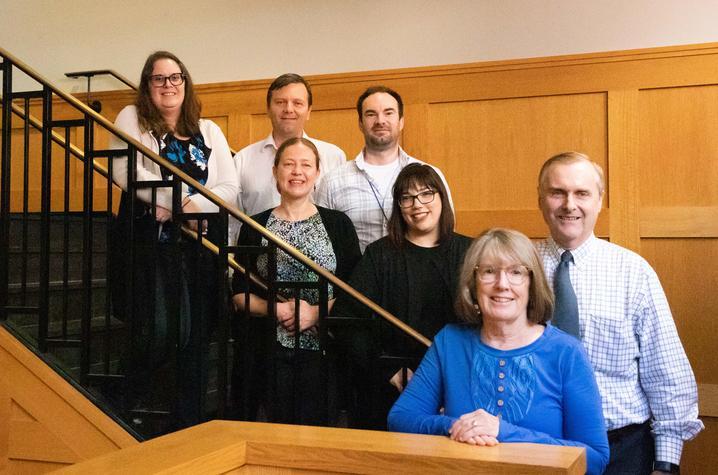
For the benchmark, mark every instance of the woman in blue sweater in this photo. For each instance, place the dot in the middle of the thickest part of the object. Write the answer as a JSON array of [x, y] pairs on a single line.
[[505, 375]]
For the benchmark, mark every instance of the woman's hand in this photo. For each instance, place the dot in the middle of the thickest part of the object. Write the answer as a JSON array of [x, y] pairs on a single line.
[[308, 315], [162, 215], [476, 428], [188, 206]]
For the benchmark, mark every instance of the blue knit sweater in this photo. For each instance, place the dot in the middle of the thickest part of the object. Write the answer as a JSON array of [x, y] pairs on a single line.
[[544, 392]]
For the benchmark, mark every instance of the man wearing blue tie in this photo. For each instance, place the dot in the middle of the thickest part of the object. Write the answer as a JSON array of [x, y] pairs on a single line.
[[611, 299]]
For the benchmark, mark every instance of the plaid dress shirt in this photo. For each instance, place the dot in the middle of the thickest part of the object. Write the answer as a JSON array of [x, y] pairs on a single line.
[[350, 189], [628, 331]]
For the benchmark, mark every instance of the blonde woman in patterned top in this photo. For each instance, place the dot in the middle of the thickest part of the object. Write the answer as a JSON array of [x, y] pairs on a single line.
[[329, 239]]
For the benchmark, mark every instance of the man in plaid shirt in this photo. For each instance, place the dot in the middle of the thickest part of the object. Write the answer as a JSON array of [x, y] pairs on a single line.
[[362, 188], [647, 386]]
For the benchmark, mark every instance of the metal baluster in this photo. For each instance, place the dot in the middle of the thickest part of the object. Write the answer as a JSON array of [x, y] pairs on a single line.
[[87, 242], [44, 297], [5, 185]]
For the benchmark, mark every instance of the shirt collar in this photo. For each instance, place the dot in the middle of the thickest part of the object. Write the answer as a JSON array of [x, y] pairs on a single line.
[[269, 141], [580, 254]]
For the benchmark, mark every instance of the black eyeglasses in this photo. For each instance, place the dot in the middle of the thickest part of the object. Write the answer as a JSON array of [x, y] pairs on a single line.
[[176, 79], [425, 197]]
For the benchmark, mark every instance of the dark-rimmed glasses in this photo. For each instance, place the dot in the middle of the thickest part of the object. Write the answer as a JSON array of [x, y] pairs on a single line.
[[424, 197], [158, 80], [516, 275]]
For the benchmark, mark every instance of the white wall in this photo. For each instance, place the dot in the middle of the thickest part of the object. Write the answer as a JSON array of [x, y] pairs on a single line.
[[228, 40]]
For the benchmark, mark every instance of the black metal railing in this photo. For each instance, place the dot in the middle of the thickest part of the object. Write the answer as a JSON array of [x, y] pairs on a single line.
[[88, 75], [68, 313]]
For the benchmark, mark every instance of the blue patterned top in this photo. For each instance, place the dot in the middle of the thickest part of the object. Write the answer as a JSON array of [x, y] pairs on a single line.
[[544, 392], [190, 156], [311, 238]]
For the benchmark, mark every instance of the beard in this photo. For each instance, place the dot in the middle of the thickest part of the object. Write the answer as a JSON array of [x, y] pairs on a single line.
[[384, 142]]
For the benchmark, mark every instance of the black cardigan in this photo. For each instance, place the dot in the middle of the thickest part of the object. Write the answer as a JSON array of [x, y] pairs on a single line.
[[387, 275], [341, 233]]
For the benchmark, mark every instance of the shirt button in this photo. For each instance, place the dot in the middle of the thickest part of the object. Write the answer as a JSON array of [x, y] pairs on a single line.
[[501, 389], [502, 375], [500, 402], [502, 362]]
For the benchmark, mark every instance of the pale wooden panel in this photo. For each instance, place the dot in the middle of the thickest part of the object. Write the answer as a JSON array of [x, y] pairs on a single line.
[[700, 455], [494, 149], [32, 467], [623, 177], [221, 120], [222, 446], [529, 222], [340, 127], [689, 274], [48, 420], [32, 441], [679, 221], [708, 399], [259, 128], [678, 156]]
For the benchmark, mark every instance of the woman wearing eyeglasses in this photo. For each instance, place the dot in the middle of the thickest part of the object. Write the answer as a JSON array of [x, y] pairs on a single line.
[[505, 375], [174, 290], [412, 272]]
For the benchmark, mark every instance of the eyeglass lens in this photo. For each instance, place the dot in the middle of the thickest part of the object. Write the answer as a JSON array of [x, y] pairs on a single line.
[[425, 197], [175, 79], [514, 274]]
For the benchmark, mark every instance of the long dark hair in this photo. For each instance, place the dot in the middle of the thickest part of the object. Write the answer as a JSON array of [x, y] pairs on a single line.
[[150, 118], [420, 175]]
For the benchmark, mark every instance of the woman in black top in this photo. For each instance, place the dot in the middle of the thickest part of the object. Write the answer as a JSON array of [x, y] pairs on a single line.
[[412, 272]]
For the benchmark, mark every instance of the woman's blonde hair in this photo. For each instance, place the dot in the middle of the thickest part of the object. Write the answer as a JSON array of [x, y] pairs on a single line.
[[500, 242]]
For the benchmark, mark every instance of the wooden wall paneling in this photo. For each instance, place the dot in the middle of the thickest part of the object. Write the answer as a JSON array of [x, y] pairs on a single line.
[[5, 412], [708, 399], [622, 175], [699, 455], [44, 420], [678, 156], [415, 136], [238, 134], [495, 148], [688, 272], [679, 222], [259, 128], [337, 126]]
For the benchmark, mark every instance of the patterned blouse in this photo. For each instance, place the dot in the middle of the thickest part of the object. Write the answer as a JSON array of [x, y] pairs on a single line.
[[311, 238], [190, 156]]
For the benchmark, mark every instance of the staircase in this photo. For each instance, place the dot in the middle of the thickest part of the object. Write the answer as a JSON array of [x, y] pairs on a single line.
[[54, 263]]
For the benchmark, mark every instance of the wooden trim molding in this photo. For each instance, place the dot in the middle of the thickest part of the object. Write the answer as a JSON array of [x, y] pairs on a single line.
[[679, 222]]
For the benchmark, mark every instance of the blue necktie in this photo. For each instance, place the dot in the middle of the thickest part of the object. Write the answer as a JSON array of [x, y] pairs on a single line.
[[565, 315]]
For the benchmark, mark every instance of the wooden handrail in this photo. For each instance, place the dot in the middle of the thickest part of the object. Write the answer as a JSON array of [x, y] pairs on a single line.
[[250, 447]]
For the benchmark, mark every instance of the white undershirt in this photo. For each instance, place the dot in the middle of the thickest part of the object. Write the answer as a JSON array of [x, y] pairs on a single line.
[[383, 175]]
